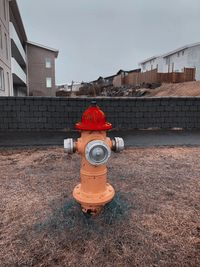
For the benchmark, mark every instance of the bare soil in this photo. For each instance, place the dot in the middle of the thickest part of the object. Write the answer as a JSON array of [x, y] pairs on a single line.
[[154, 219], [176, 89]]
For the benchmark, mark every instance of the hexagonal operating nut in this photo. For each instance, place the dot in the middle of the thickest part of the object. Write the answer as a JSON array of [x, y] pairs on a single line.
[[69, 146], [118, 144]]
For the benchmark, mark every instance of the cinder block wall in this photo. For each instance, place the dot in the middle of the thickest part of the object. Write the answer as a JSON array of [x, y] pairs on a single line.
[[45, 113]]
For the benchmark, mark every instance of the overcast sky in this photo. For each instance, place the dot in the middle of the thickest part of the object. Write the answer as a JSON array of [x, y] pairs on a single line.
[[99, 37]]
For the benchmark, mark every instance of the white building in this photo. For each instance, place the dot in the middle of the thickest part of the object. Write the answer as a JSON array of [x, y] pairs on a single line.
[[151, 63], [187, 56], [74, 87]]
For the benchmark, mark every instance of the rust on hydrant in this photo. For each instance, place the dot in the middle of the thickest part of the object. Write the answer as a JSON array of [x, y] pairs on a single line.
[[93, 191]]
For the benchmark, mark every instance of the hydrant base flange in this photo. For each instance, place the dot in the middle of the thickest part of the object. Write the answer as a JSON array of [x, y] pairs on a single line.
[[93, 202]]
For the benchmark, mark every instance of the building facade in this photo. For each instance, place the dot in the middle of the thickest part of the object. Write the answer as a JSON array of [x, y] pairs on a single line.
[[18, 38], [17, 55], [5, 50], [175, 61], [41, 70], [73, 87]]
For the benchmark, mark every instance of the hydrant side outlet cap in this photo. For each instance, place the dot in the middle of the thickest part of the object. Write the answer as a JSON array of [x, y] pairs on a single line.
[[93, 119]]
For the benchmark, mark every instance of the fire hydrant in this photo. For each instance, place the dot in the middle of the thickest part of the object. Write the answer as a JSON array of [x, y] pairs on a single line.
[[93, 192]]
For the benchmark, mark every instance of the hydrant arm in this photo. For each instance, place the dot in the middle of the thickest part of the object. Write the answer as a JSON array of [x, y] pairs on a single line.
[[69, 146], [117, 144]]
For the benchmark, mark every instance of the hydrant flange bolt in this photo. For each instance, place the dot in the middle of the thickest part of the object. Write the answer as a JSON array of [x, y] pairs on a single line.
[[118, 144], [69, 146]]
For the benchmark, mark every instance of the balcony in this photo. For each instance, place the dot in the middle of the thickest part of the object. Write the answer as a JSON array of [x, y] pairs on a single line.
[[19, 76], [17, 49]]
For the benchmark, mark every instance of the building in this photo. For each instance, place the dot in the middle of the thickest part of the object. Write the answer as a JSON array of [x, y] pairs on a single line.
[[187, 56], [68, 89], [123, 76], [41, 70], [18, 57], [151, 63], [115, 80], [5, 50], [73, 87], [17, 39]]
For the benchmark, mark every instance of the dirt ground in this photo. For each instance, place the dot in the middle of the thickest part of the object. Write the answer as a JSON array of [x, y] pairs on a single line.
[[176, 89], [154, 219]]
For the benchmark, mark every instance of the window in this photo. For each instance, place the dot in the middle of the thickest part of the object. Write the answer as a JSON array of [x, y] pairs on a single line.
[[48, 82], [48, 63], [2, 80], [183, 52], [167, 60], [4, 8], [178, 54], [172, 66], [6, 43], [8, 81], [1, 38]]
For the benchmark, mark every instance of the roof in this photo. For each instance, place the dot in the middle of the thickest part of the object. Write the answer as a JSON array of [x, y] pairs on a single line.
[[180, 49], [114, 75], [16, 13], [128, 71], [148, 59], [44, 47], [170, 53], [135, 70], [110, 77]]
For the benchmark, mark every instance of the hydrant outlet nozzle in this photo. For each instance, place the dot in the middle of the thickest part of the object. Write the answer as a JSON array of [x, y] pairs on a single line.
[[69, 146], [117, 144]]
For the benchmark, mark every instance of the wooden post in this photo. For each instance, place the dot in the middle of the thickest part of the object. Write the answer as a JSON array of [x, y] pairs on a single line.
[[71, 88]]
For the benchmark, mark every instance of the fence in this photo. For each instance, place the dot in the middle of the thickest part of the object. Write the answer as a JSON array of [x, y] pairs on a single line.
[[154, 77], [45, 113]]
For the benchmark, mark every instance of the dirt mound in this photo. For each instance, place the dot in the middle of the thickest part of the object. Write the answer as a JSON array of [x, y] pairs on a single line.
[[176, 89]]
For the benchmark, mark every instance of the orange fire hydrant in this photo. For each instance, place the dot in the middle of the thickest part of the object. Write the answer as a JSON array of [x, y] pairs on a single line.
[[95, 147]]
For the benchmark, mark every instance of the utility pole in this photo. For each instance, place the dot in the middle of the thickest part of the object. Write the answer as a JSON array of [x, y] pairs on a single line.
[[71, 88]]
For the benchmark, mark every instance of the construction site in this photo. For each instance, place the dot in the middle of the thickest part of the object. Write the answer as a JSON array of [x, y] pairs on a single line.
[[138, 84]]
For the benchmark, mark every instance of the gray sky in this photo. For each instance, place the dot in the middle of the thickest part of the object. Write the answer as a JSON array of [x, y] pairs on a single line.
[[99, 37]]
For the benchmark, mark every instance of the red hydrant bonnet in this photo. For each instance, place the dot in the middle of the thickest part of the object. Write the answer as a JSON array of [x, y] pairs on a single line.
[[93, 119]]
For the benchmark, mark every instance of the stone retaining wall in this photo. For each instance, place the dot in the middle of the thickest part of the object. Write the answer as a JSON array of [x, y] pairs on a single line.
[[44, 113]]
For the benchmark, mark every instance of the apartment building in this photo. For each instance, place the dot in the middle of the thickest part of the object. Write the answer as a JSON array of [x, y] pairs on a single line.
[[187, 56], [5, 50], [25, 67], [18, 38], [41, 70]]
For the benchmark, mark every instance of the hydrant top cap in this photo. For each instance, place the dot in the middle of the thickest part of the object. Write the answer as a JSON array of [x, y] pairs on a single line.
[[93, 119]]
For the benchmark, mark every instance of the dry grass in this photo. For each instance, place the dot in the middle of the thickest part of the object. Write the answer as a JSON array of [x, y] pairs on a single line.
[[153, 220]]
